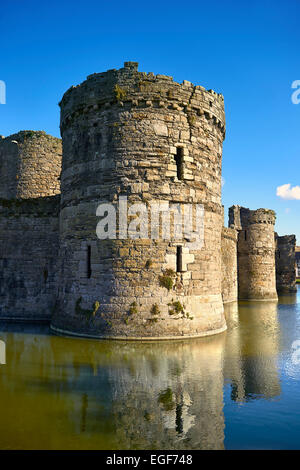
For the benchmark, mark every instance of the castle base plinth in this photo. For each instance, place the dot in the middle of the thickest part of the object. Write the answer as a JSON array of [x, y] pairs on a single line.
[[198, 316]]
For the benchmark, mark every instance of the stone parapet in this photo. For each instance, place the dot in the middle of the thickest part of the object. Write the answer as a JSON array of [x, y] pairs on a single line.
[[132, 89]]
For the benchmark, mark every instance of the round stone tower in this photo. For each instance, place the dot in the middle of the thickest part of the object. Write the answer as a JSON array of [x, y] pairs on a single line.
[[136, 138], [256, 252], [30, 163]]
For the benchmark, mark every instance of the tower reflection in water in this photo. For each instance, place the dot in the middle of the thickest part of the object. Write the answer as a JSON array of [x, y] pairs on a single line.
[[171, 395], [71, 393], [252, 347]]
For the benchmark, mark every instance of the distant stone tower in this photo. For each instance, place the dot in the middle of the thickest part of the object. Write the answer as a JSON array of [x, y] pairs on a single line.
[[256, 252], [144, 136], [30, 164]]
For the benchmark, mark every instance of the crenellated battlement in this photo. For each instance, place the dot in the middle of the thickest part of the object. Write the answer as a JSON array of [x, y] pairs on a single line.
[[134, 90], [258, 216], [242, 217]]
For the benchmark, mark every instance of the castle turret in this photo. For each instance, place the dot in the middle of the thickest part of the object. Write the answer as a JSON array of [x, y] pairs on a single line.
[[143, 137], [30, 164], [256, 252]]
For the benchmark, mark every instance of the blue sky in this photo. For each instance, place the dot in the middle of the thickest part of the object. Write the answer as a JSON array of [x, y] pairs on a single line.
[[247, 50]]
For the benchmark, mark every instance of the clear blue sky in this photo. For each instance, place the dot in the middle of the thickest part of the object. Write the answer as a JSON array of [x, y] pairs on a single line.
[[247, 50]]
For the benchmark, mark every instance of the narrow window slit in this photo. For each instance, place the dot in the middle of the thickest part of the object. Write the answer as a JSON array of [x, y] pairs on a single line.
[[89, 266], [98, 141], [179, 259], [245, 234], [179, 162]]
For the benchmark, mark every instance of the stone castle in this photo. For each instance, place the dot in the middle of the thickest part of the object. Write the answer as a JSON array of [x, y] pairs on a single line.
[[146, 137]]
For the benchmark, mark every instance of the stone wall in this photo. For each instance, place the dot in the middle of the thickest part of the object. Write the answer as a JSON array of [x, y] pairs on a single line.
[[297, 255], [229, 265], [256, 252], [30, 164], [28, 257], [285, 263], [123, 132]]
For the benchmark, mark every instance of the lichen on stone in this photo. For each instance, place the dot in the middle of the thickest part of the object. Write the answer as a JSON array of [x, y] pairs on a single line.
[[120, 93]]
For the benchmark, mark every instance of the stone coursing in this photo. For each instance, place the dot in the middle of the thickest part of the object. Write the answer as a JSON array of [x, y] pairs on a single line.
[[229, 265], [285, 263], [256, 252], [30, 165], [28, 255], [122, 131]]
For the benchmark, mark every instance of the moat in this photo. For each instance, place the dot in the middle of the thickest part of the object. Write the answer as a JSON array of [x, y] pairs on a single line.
[[235, 390]]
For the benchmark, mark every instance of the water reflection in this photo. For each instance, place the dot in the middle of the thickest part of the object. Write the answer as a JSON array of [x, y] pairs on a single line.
[[252, 348], [72, 393], [288, 299], [170, 396], [58, 393]]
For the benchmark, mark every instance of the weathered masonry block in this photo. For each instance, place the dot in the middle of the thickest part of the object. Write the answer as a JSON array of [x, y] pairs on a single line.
[[285, 263], [154, 140]]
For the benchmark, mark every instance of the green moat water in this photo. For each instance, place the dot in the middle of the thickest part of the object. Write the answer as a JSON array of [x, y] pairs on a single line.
[[239, 389]]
